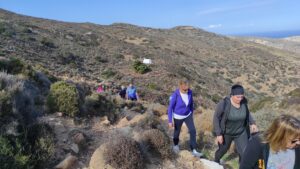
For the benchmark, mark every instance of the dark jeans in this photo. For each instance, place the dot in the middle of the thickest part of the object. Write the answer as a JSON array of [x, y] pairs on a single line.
[[240, 143], [189, 121]]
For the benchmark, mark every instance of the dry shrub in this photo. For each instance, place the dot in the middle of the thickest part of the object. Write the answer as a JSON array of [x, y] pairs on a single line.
[[159, 109], [123, 153], [205, 120], [157, 141]]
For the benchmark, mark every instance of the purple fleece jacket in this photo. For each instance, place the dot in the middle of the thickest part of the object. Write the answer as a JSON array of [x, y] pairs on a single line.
[[178, 106]]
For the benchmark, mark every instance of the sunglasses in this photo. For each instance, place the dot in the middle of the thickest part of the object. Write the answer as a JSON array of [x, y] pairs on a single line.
[[295, 141]]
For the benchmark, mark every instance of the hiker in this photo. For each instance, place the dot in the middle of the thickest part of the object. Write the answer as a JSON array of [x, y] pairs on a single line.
[[100, 89], [181, 110], [232, 121], [131, 93], [278, 147], [122, 92]]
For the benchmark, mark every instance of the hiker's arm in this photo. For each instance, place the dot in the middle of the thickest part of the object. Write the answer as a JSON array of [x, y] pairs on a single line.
[[171, 108], [251, 120], [253, 127], [217, 118], [192, 103], [137, 96]]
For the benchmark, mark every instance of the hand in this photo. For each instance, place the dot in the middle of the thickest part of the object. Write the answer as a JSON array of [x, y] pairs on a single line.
[[253, 128], [171, 125], [219, 139]]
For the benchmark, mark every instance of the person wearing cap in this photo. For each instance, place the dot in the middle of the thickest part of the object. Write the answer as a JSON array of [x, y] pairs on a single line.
[[232, 121]]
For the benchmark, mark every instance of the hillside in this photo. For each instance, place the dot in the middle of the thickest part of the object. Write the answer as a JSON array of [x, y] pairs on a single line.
[[291, 44], [50, 70], [90, 53]]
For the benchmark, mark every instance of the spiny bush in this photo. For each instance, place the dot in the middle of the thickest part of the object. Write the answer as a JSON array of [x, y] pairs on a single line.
[[64, 97], [260, 104], [140, 67], [158, 142], [40, 136], [12, 65], [9, 87], [123, 153], [31, 149], [48, 43], [109, 73], [98, 105]]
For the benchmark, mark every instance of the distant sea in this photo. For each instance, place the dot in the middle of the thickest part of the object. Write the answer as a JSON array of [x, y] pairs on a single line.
[[275, 34]]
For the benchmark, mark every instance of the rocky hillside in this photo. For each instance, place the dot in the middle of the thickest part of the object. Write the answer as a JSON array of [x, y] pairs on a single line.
[[91, 53], [291, 44], [51, 116]]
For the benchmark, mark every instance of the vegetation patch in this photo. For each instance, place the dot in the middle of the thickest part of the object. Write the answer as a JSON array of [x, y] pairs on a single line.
[[124, 153], [140, 67], [260, 104], [157, 142], [64, 97]]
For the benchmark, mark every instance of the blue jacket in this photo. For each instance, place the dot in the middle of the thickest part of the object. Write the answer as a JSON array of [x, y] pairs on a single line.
[[178, 106]]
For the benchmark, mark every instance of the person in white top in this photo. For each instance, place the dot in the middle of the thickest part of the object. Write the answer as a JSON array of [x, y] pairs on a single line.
[[181, 110]]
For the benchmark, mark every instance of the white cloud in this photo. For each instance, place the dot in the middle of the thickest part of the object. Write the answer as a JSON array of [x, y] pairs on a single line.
[[234, 8], [214, 26]]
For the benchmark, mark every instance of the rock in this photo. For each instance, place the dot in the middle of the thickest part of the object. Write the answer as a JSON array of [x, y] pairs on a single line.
[[60, 114], [79, 139], [211, 164], [67, 163], [105, 121], [75, 148]]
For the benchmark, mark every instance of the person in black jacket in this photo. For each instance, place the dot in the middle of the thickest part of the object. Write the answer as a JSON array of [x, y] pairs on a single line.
[[232, 122], [277, 148]]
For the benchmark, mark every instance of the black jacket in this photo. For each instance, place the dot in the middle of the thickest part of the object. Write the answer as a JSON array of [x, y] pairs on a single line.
[[256, 155], [221, 116]]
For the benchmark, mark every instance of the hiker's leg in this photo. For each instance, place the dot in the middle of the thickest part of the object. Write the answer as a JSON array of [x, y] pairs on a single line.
[[223, 148], [241, 143], [189, 121], [177, 128]]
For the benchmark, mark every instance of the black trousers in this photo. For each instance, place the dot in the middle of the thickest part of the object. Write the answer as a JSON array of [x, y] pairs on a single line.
[[240, 143], [189, 121]]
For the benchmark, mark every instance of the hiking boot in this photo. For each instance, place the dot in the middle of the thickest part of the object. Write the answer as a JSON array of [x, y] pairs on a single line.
[[196, 153], [176, 149]]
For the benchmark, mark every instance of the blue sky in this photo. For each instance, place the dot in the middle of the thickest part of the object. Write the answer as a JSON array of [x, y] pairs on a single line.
[[220, 16]]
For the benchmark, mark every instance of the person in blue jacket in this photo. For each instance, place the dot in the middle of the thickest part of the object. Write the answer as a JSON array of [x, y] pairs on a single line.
[[131, 93], [181, 110]]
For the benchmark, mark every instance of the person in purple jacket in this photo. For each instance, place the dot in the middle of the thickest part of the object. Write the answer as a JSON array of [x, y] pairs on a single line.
[[181, 110]]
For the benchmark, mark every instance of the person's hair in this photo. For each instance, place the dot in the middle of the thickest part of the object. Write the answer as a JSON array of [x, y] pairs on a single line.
[[282, 129], [183, 82], [237, 90]]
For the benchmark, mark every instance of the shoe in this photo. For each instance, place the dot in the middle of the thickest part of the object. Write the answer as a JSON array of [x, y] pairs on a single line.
[[176, 149], [196, 153]]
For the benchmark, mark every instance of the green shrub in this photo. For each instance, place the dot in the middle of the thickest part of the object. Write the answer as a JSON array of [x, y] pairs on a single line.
[[32, 149], [109, 73], [64, 97], [48, 43], [294, 93], [42, 144], [123, 153], [98, 105], [9, 86], [12, 65], [140, 67], [260, 104]]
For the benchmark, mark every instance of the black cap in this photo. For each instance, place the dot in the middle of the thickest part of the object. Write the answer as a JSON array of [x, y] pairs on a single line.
[[237, 90]]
